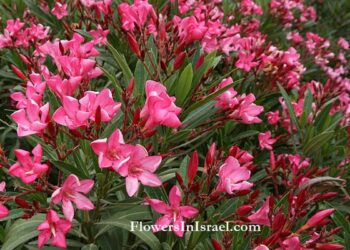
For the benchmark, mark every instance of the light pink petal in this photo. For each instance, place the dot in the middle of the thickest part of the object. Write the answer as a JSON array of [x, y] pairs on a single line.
[[175, 196], [132, 185], [158, 206], [85, 186], [68, 210], [82, 202], [188, 211], [149, 179], [162, 222]]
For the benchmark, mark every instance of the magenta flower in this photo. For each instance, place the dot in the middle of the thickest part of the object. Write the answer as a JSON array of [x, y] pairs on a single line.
[[3, 186], [59, 10], [71, 114], [246, 61], [261, 217], [71, 192], [261, 247], [227, 100], [99, 35], [108, 107], [28, 169], [233, 177], [140, 168], [273, 117], [32, 119], [4, 212], [63, 87], [266, 141], [112, 152], [53, 228], [247, 111], [173, 213], [160, 108]]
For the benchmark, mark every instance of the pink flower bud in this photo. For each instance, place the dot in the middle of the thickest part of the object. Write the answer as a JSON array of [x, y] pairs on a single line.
[[18, 72], [244, 210], [317, 219], [192, 167], [133, 45], [179, 60], [329, 246]]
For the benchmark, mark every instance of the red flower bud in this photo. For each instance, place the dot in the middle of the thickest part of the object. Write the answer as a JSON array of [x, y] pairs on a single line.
[[136, 116], [200, 61], [98, 118], [272, 160], [179, 179], [24, 59], [133, 45], [192, 167], [216, 244], [329, 246], [130, 87], [179, 60], [210, 157], [244, 210], [22, 203], [317, 219], [18, 72]]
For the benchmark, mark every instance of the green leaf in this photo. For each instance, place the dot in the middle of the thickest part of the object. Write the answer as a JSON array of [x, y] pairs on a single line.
[[22, 231], [121, 61], [147, 236], [291, 112], [115, 83], [184, 84], [307, 107], [70, 169], [317, 142]]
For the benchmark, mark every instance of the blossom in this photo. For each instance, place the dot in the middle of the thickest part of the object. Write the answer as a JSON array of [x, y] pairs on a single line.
[[227, 99], [261, 217], [343, 43], [266, 141], [4, 212], [53, 228], [246, 61], [160, 108], [292, 243], [3, 186], [28, 169], [112, 152], [190, 30], [261, 247], [173, 212], [59, 10], [71, 114], [140, 168], [71, 192], [65, 87], [233, 177], [247, 111], [32, 119], [104, 100], [273, 117], [136, 14], [99, 35]]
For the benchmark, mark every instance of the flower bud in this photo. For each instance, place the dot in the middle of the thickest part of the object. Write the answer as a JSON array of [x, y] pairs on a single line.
[[210, 157], [130, 87], [18, 72], [216, 244], [133, 45], [317, 219], [192, 167], [179, 60], [22, 203], [244, 210], [329, 246]]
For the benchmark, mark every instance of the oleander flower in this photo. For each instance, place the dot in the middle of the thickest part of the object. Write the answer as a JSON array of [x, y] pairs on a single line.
[[233, 177], [261, 217], [53, 228], [160, 108], [173, 213], [266, 141], [140, 168], [59, 10], [72, 191], [28, 168]]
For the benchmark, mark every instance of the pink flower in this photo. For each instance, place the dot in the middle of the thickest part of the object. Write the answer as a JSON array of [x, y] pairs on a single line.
[[265, 140], [190, 30], [292, 243], [72, 114], [92, 100], [173, 213], [233, 177], [226, 100], [26, 168], [246, 61], [136, 14], [140, 168], [71, 192], [63, 87], [112, 152], [59, 10], [297, 163], [4, 212], [261, 217], [273, 117], [343, 43], [247, 111], [160, 108], [3, 186], [32, 119], [261, 247], [99, 35], [53, 228]]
